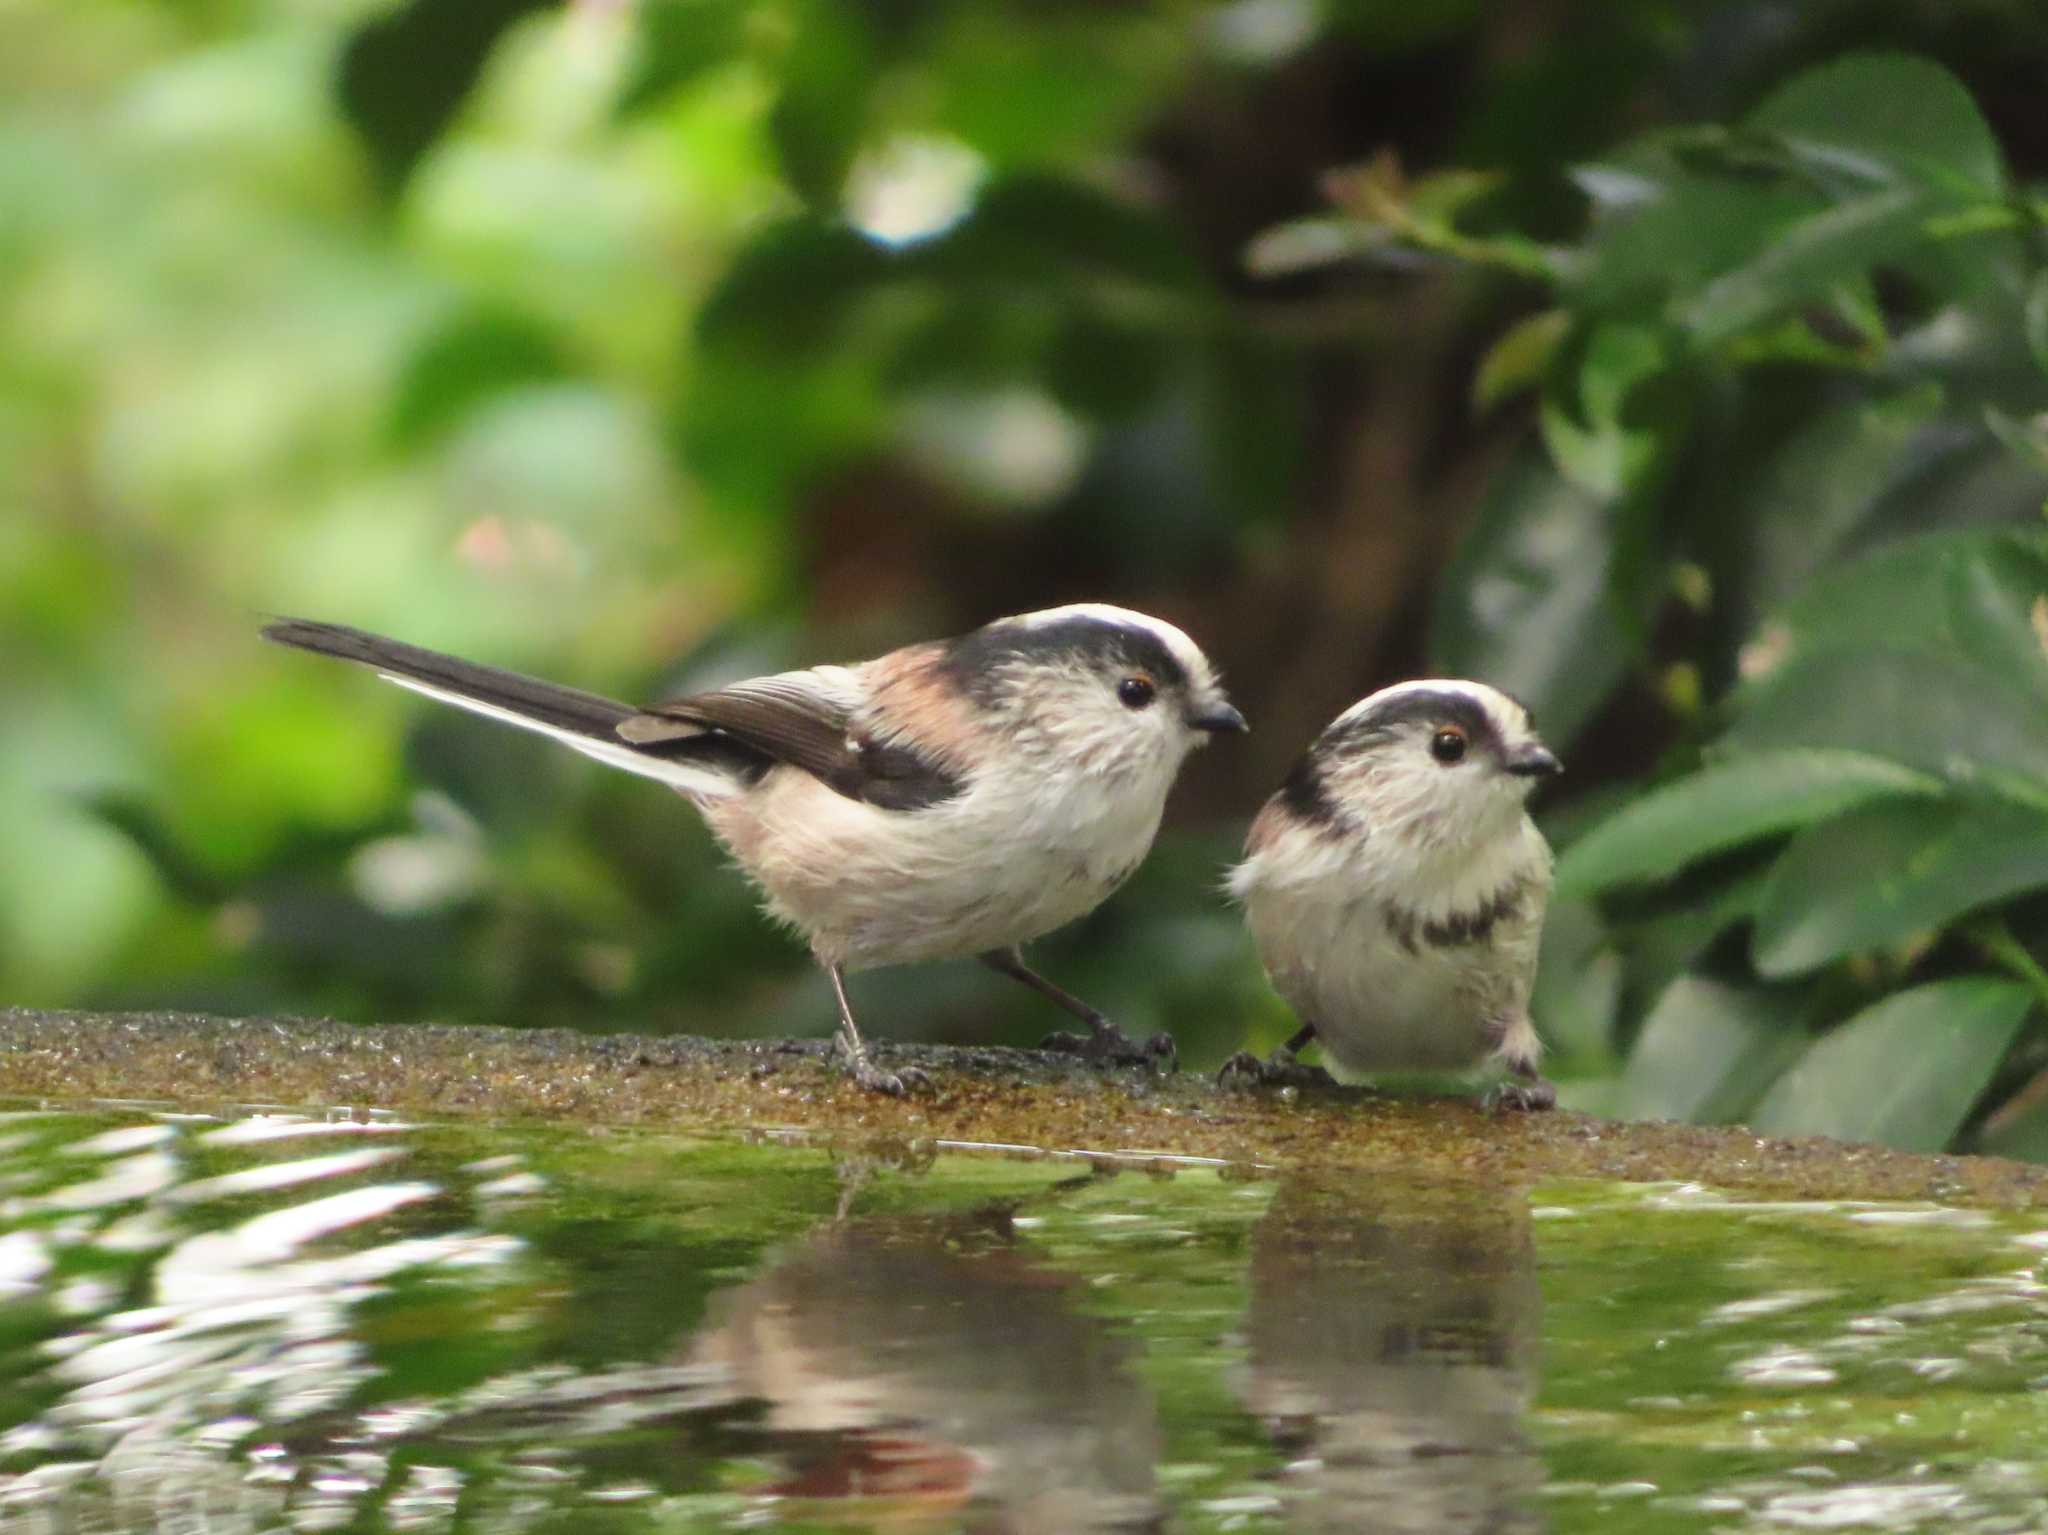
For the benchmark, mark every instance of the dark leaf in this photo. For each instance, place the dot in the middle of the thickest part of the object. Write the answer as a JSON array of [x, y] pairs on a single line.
[[1934, 714], [1740, 799], [679, 40], [1578, 985], [1517, 360], [135, 818], [1677, 232], [1966, 596], [1806, 259], [822, 114], [1041, 232], [1589, 422], [2037, 319], [1685, 921], [1884, 872], [790, 291], [1524, 602], [1906, 1071], [1709, 1050], [1886, 117], [1817, 489], [472, 358], [404, 75], [1101, 368]]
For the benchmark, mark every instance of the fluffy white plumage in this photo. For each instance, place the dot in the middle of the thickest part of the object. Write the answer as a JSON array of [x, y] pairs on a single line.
[[1397, 898]]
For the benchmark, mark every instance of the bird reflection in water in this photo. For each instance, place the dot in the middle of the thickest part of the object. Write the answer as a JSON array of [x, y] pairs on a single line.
[[1392, 1340], [921, 1370]]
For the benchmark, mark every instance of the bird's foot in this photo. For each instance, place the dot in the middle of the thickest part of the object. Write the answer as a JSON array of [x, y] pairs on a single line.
[[1280, 1069], [1526, 1095], [1107, 1045], [896, 1084]]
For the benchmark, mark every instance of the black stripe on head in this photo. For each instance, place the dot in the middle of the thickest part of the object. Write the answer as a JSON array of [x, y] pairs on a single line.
[[1305, 793], [974, 660], [1421, 706]]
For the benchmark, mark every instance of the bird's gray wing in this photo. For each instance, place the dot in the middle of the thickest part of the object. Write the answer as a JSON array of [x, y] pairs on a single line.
[[809, 720]]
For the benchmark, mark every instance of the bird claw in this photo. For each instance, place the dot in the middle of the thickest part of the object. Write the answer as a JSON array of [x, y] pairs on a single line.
[[866, 1074], [1529, 1096], [1108, 1045], [1245, 1070]]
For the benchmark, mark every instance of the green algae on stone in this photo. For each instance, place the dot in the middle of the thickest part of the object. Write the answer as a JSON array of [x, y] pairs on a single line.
[[1024, 1099]]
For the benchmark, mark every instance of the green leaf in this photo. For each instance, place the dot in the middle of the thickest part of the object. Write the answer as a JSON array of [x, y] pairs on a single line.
[[1937, 714], [1040, 232], [679, 40], [2037, 319], [1708, 1050], [1887, 116], [1725, 805], [828, 76], [1815, 491], [1524, 601], [1517, 360], [1678, 232], [1584, 412], [185, 875], [2025, 440], [1887, 871], [1964, 596], [1307, 244], [1578, 985], [1906, 1071], [1685, 919], [468, 360], [1104, 370], [403, 76], [1438, 198], [1807, 259], [789, 293]]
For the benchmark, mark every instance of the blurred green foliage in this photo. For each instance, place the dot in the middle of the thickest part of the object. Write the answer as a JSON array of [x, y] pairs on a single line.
[[1692, 380]]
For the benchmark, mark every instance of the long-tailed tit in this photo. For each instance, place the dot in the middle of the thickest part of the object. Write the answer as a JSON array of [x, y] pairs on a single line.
[[1395, 887], [961, 797]]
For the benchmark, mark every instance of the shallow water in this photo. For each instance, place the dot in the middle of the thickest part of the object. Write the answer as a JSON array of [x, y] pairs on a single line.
[[234, 1322]]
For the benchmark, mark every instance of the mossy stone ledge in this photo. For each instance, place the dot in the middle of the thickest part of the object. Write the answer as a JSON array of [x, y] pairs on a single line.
[[990, 1097]]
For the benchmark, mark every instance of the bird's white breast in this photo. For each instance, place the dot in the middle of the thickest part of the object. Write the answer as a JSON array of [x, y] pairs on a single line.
[[1010, 859], [1318, 901]]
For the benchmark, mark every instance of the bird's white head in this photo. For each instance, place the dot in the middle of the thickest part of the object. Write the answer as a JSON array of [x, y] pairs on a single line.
[[1096, 687], [1449, 760]]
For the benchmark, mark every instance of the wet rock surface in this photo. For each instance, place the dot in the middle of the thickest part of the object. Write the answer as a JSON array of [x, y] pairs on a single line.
[[983, 1096]]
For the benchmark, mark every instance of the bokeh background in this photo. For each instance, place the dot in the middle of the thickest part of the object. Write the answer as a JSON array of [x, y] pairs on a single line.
[[1679, 366]]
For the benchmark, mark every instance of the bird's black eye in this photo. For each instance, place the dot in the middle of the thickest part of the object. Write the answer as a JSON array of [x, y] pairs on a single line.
[[1447, 745], [1136, 692]]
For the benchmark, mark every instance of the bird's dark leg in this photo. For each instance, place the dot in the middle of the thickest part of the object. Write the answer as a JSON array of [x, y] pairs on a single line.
[[1280, 1069], [855, 1053], [1105, 1041], [1530, 1092], [1516, 1048]]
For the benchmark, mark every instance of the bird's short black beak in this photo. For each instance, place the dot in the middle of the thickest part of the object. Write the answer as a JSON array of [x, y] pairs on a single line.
[[1218, 718], [1534, 762]]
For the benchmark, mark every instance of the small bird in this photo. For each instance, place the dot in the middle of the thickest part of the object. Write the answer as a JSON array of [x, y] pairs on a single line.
[[1395, 887], [953, 798]]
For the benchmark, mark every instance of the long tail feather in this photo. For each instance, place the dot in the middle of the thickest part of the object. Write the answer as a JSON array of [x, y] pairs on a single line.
[[587, 722]]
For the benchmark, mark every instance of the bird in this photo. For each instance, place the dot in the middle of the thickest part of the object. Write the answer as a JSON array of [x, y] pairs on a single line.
[[1395, 888], [951, 798]]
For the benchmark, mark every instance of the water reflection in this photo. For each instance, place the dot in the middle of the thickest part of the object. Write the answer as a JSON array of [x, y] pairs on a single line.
[[1393, 1336], [267, 1324], [203, 1331], [927, 1366]]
